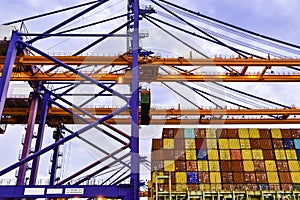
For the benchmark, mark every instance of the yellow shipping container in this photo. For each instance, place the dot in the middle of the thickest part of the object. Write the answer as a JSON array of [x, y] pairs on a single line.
[[155, 174], [215, 187], [181, 187], [181, 177], [213, 154], [211, 144], [168, 143], [245, 144], [270, 166], [295, 177], [169, 165], [224, 154], [272, 177], [215, 177], [254, 133], [223, 143], [248, 166], [214, 166], [243, 133], [280, 154], [211, 133], [190, 143], [246, 154], [204, 187], [294, 165], [257, 154], [234, 144], [276, 133], [202, 166], [190, 154], [291, 154]]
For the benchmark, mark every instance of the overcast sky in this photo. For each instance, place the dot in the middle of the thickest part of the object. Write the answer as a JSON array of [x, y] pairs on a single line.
[[274, 18]]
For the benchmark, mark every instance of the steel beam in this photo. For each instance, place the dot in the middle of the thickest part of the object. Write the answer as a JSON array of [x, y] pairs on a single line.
[[56, 136]]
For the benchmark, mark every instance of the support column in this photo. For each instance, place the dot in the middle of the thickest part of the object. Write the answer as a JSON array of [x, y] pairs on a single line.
[[39, 140], [56, 136], [7, 68], [28, 137], [134, 105]]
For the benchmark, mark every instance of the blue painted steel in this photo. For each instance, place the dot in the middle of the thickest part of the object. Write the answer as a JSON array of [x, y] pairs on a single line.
[[69, 20], [201, 154], [62, 141], [297, 143], [8, 68], [86, 77], [28, 137], [192, 177], [189, 133], [121, 192], [56, 135], [39, 139], [134, 105], [288, 144]]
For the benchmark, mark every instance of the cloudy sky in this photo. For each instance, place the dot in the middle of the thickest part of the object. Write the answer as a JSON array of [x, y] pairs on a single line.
[[274, 18]]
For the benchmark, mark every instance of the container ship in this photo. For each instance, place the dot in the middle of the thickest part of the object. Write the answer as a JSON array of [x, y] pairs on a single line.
[[243, 163]]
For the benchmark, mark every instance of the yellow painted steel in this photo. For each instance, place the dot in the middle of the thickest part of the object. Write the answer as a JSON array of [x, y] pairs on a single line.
[[243, 133], [181, 177], [248, 165], [224, 154], [247, 154], [168, 143], [257, 154], [245, 144], [202, 165], [273, 177], [280, 154], [213, 154], [234, 144], [270, 165], [254, 133], [276, 133], [169, 165]]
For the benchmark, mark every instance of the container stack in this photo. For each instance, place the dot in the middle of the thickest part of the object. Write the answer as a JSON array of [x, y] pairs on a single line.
[[226, 159]]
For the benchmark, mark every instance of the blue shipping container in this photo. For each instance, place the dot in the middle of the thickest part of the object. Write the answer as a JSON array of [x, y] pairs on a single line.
[[192, 177], [298, 153], [189, 133], [202, 154], [288, 144], [263, 186], [297, 143]]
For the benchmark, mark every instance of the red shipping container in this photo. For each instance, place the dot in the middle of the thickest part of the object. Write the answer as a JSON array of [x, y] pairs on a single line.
[[277, 144], [193, 187], [274, 187], [228, 187], [235, 155], [203, 177], [255, 143], [157, 155], [157, 166], [286, 187], [284, 177], [200, 143], [168, 133], [166, 187], [282, 165], [222, 133], [264, 133], [180, 166], [225, 165], [227, 177], [250, 177], [266, 143], [179, 133], [191, 165], [200, 133], [286, 133], [261, 177], [238, 177], [179, 154], [232, 133], [252, 187], [268, 154], [157, 144], [237, 166], [259, 165], [179, 143], [173, 178], [169, 154]]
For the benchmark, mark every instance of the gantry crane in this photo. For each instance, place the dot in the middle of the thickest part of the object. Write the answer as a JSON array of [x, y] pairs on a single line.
[[54, 78]]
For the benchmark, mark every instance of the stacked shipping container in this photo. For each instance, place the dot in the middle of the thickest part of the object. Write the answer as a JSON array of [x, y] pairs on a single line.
[[226, 159]]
